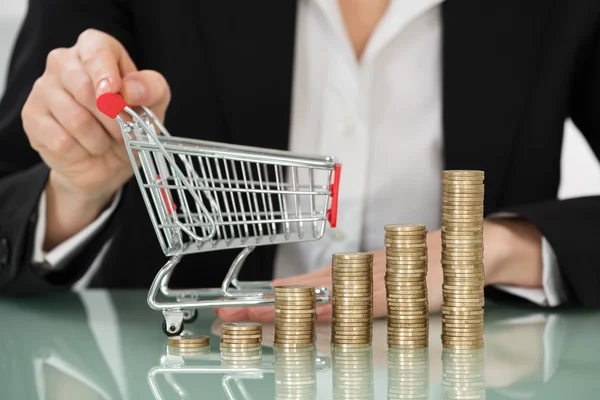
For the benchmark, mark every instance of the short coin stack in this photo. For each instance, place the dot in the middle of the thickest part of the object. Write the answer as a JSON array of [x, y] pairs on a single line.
[[352, 373], [406, 286], [295, 373], [188, 344], [462, 259], [408, 373], [352, 300], [241, 343], [463, 374], [295, 316]]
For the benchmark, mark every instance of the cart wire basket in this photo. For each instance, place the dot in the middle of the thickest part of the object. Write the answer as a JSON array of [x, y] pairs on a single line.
[[208, 196]]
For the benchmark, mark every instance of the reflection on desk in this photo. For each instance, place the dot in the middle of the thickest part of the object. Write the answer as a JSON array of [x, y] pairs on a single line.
[[108, 345]]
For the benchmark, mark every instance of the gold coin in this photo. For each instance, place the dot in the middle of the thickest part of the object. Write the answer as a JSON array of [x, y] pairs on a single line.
[[461, 200], [452, 188], [293, 289], [454, 230], [240, 326], [463, 174], [410, 246], [466, 182], [353, 256], [412, 236], [239, 345], [226, 336], [404, 227], [472, 233], [462, 220], [408, 326], [177, 341]]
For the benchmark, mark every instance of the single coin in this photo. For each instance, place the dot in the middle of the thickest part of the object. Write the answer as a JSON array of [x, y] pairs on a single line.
[[404, 227], [462, 174], [294, 289], [177, 341], [353, 256], [240, 336], [459, 230], [465, 182]]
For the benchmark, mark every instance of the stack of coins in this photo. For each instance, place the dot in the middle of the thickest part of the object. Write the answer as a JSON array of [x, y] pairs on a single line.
[[352, 373], [462, 259], [406, 286], [408, 373], [295, 373], [188, 343], [463, 375], [295, 316], [352, 299], [241, 343]]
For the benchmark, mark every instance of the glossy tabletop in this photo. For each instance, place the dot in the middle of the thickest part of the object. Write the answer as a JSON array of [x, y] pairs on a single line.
[[109, 345]]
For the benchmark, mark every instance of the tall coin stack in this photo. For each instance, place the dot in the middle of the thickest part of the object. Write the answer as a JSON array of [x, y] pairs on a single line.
[[352, 373], [463, 374], [406, 286], [295, 373], [462, 259], [352, 299], [241, 343], [408, 374], [295, 316]]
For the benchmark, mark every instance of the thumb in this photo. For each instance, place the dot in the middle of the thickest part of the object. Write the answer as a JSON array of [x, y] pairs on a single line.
[[147, 88]]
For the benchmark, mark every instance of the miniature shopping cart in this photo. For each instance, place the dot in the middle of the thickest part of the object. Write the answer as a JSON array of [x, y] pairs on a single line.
[[206, 196]]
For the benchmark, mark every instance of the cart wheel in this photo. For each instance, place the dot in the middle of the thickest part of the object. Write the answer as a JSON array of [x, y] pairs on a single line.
[[190, 316], [170, 333]]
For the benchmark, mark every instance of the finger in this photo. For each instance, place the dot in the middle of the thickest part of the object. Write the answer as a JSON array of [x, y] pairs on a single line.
[[146, 88], [78, 121], [104, 59], [46, 135], [79, 85], [54, 144], [232, 314]]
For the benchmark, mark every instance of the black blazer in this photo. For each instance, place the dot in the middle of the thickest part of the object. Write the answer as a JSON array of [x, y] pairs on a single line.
[[513, 71]]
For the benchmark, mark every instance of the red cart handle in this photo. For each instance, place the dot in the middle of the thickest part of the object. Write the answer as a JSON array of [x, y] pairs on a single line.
[[110, 104], [335, 189]]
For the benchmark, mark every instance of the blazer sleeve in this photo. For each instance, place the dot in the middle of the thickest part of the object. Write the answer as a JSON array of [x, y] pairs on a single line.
[[572, 226], [48, 24]]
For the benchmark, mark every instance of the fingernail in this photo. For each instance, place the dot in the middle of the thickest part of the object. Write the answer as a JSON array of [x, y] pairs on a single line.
[[136, 91], [103, 86], [321, 310]]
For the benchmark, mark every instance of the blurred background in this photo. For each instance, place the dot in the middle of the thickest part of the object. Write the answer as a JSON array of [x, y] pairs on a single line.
[[580, 170]]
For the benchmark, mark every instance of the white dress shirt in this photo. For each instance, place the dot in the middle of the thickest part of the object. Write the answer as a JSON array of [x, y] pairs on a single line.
[[381, 117]]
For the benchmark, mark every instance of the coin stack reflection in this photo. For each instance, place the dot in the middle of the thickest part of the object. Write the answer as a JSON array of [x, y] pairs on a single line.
[[241, 344], [463, 374], [408, 373], [462, 259], [352, 372], [295, 373], [295, 316], [406, 286], [352, 299]]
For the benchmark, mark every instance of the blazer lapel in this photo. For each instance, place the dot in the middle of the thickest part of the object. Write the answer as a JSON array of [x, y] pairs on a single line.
[[250, 46], [490, 58]]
